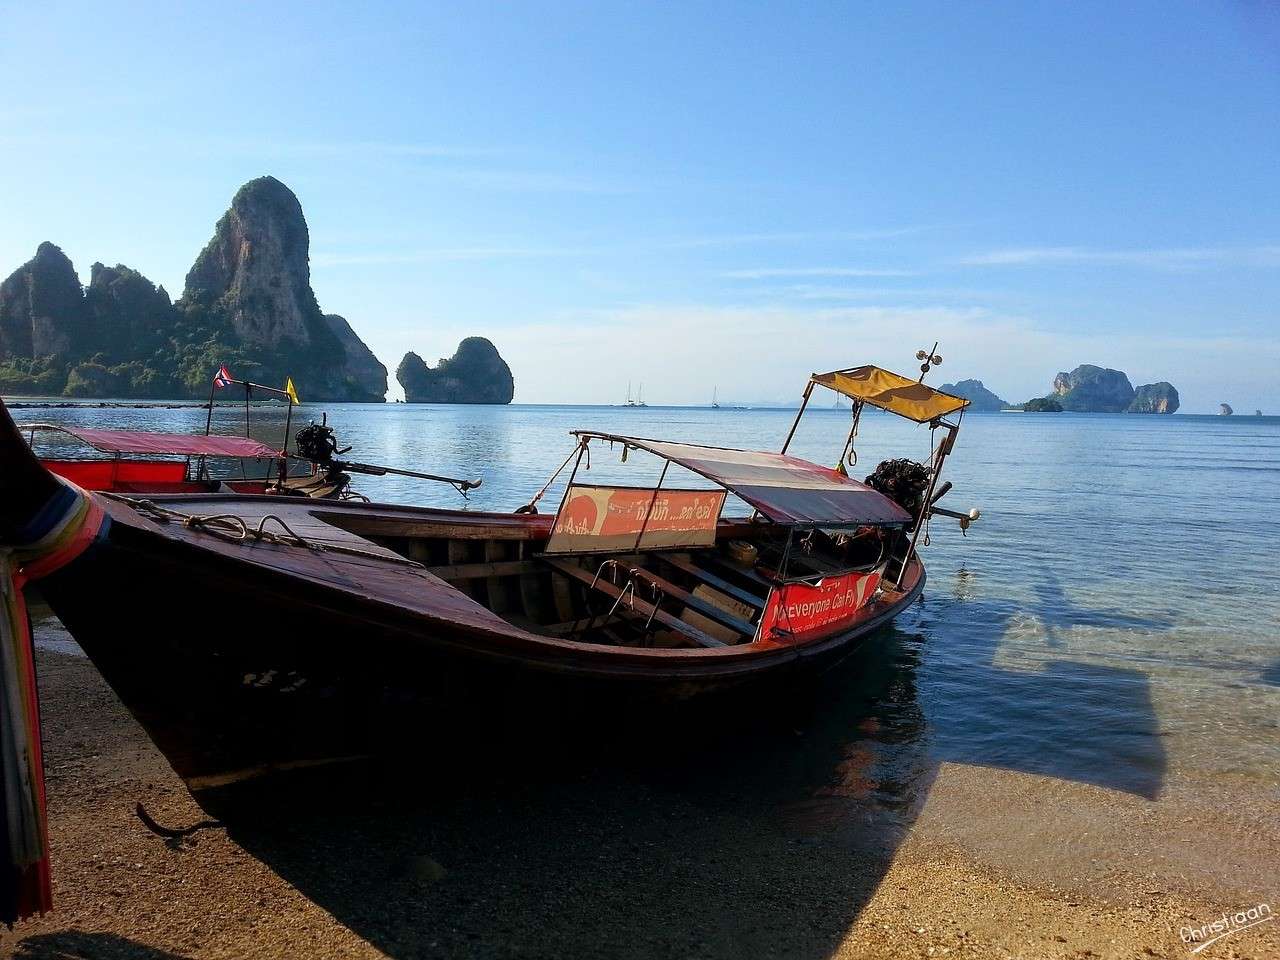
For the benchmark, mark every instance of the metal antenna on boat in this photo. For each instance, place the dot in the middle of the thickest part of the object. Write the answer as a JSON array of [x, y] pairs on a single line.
[[931, 358]]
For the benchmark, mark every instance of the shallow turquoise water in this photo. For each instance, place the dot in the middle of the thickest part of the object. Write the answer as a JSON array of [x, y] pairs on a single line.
[[1112, 619]]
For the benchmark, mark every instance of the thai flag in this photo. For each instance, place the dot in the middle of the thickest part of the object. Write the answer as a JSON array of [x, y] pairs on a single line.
[[222, 378]]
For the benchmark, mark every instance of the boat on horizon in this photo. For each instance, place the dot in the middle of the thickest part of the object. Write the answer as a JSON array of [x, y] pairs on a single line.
[[340, 623]]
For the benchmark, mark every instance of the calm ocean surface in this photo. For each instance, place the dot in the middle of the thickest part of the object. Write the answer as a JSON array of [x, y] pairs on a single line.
[[1113, 618]]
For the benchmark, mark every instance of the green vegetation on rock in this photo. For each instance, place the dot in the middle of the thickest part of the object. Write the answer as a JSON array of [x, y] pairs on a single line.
[[248, 304], [1042, 405], [475, 374]]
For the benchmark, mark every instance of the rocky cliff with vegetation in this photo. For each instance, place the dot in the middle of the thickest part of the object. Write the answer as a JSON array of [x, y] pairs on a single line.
[[475, 374], [981, 400], [1092, 389], [1159, 397], [247, 303]]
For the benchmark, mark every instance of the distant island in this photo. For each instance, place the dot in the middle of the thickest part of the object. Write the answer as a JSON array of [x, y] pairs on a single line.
[[1093, 389], [247, 303], [474, 374], [981, 400], [1042, 405], [1086, 389]]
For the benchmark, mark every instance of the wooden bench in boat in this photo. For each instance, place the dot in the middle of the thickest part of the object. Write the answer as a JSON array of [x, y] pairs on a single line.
[[694, 602], [710, 579], [645, 609]]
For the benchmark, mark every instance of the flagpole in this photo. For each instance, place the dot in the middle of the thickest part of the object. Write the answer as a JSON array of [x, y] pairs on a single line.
[[208, 422], [288, 420]]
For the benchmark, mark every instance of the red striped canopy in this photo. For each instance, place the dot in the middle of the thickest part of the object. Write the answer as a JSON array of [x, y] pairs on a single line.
[[179, 444]]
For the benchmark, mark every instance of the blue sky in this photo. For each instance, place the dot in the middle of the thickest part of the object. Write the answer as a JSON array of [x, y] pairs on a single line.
[[693, 194]]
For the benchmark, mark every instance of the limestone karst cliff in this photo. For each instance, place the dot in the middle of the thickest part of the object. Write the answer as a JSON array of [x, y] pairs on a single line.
[[254, 276], [248, 303], [1159, 397], [42, 308], [475, 374], [1092, 389]]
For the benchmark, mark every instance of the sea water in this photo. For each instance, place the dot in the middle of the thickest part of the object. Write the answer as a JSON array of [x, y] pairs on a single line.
[[1111, 619]]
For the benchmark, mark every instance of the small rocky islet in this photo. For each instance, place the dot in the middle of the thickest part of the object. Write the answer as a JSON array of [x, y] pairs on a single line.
[[1086, 389], [247, 303]]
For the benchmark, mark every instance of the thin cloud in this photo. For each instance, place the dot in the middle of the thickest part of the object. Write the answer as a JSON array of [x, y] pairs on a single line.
[[765, 273], [793, 236], [441, 255], [530, 181], [804, 291], [1266, 255]]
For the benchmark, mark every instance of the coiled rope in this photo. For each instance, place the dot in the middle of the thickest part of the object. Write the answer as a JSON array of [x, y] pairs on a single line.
[[233, 529]]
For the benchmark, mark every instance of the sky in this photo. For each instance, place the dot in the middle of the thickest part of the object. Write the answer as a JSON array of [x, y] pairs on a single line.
[[696, 195]]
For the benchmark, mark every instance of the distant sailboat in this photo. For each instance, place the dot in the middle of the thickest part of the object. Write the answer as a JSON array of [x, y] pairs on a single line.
[[640, 397], [1225, 410], [631, 402], [714, 403]]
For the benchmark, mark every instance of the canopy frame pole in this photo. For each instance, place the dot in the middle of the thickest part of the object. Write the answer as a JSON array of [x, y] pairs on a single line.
[[808, 392], [582, 449], [652, 500], [786, 555], [283, 467], [939, 457], [208, 426]]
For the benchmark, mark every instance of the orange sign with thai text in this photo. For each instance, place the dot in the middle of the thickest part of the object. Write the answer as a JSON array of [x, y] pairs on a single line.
[[597, 519], [795, 609]]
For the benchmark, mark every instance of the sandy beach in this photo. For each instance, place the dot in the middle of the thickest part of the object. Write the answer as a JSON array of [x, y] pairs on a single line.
[[710, 851]]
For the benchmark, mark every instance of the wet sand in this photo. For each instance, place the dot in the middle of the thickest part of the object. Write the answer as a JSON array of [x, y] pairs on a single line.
[[775, 843]]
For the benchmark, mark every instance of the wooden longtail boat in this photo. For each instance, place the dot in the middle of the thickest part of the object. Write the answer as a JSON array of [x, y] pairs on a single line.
[[251, 634], [145, 461]]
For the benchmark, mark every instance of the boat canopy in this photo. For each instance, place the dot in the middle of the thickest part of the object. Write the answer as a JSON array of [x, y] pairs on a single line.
[[783, 489], [893, 392], [179, 444]]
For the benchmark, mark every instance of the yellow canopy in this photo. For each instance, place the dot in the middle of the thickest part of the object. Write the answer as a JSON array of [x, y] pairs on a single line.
[[892, 392]]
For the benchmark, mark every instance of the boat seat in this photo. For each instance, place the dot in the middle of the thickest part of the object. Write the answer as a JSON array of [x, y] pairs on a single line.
[[703, 575], [642, 608]]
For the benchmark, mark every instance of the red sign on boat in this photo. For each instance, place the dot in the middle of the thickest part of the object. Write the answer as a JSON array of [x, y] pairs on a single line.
[[795, 609], [612, 518]]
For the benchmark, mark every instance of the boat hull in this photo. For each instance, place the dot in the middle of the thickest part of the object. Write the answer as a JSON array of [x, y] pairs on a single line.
[[236, 672]]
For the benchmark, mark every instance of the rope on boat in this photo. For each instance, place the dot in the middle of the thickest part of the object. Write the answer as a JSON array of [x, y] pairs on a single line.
[[170, 833], [233, 529], [532, 505]]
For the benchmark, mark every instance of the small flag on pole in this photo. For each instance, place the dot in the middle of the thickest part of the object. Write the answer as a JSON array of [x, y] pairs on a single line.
[[223, 378], [293, 394]]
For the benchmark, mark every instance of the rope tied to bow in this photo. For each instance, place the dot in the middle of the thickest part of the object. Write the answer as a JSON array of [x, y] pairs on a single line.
[[233, 529]]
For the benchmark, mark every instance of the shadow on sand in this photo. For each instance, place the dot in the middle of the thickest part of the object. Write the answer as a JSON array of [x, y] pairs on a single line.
[[78, 945], [756, 832]]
